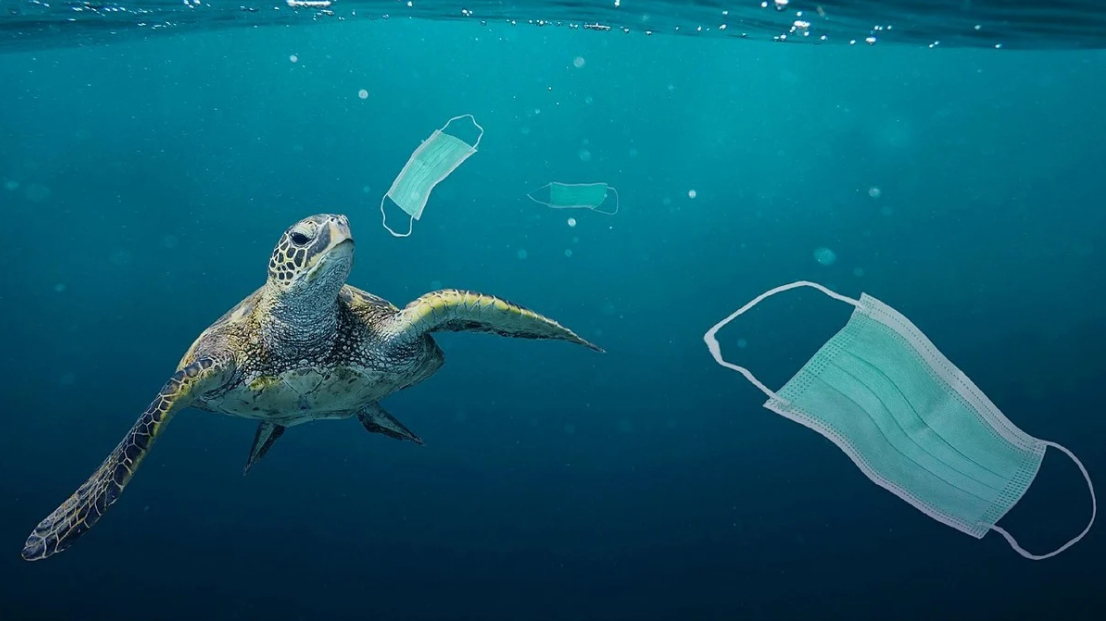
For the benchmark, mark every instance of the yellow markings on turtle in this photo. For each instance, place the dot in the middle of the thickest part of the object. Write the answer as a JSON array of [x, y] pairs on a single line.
[[457, 310], [263, 382], [239, 313]]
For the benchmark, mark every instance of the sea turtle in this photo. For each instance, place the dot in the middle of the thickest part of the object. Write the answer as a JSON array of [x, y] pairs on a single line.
[[305, 346]]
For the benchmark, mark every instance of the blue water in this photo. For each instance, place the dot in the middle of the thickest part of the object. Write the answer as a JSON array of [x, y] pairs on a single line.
[[146, 182]]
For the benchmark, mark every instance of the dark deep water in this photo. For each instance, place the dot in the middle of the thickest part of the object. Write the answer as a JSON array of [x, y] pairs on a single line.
[[145, 182]]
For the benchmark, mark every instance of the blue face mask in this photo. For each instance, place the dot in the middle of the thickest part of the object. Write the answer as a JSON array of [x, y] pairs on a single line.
[[577, 196], [435, 159], [910, 420]]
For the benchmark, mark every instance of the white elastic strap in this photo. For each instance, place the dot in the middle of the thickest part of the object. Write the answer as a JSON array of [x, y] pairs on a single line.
[[411, 221], [1094, 511], [716, 351], [384, 221], [617, 203]]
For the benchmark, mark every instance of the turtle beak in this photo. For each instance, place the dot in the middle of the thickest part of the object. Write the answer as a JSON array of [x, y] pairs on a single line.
[[341, 239]]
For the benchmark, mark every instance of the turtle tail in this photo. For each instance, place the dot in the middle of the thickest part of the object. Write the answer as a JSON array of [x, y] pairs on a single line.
[[454, 310]]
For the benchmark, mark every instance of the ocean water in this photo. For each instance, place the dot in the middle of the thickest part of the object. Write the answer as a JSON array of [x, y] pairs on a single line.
[[151, 154]]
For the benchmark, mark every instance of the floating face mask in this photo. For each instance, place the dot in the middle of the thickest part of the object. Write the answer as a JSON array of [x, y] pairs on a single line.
[[435, 159], [910, 420], [577, 196]]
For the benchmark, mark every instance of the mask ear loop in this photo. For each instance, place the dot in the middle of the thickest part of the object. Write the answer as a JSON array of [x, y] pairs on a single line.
[[1094, 511], [384, 221], [617, 203], [411, 220], [716, 350]]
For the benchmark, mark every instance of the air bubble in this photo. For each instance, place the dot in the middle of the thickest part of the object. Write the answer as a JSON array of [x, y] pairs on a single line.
[[825, 256], [363, 94]]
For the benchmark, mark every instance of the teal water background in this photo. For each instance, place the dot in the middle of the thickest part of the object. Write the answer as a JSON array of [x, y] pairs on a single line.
[[146, 183]]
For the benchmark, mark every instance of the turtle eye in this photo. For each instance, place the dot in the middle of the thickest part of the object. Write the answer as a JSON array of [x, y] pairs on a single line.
[[299, 238]]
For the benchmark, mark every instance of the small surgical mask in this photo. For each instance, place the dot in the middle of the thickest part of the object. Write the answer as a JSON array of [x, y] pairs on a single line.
[[576, 196], [435, 159], [910, 420]]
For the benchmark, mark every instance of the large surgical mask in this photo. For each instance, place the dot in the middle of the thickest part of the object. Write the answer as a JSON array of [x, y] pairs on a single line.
[[910, 420]]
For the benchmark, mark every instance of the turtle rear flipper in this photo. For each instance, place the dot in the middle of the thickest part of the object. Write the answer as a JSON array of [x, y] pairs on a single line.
[[376, 419], [453, 310], [267, 433], [87, 505]]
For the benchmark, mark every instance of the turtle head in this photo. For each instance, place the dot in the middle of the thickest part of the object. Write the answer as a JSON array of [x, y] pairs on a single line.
[[313, 258]]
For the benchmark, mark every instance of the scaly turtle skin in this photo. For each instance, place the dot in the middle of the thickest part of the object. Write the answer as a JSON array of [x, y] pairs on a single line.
[[305, 346]]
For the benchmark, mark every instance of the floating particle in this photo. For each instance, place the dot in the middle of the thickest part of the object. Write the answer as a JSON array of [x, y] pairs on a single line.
[[858, 271], [460, 416], [588, 99], [692, 194], [170, 241], [578, 62], [294, 58], [37, 193], [575, 240], [825, 256], [366, 189], [742, 343], [572, 221], [363, 94], [120, 257], [570, 428], [874, 192], [67, 379], [522, 254], [585, 155], [435, 285], [568, 252], [633, 152], [60, 287], [11, 185]]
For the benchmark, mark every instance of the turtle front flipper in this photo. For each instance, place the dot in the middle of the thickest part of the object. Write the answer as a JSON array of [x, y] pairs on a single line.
[[87, 505], [453, 310]]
